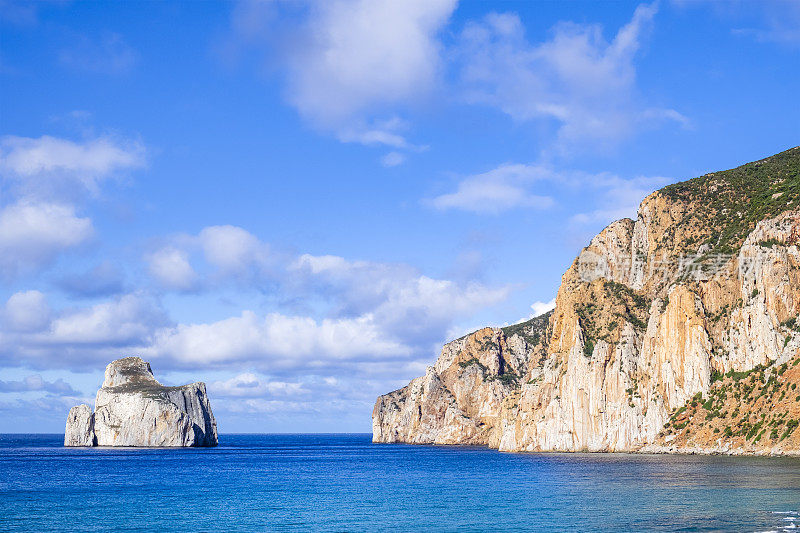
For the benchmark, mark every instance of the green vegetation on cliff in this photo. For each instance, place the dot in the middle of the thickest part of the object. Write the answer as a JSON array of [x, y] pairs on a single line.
[[726, 206], [533, 331]]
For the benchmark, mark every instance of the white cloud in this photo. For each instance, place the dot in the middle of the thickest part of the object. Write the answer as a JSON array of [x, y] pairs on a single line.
[[350, 64], [389, 132], [26, 311], [356, 315], [129, 320], [231, 252], [498, 190], [396, 297], [81, 337], [584, 83], [437, 299], [38, 160], [275, 341], [46, 178], [232, 249], [33, 234], [361, 53], [134, 324], [318, 264], [414, 309], [171, 268], [397, 294], [540, 308]]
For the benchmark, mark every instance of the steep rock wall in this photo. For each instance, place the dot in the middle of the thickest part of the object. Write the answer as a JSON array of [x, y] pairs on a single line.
[[646, 316], [133, 409]]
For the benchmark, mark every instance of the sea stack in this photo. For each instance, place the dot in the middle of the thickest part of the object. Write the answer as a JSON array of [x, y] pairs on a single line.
[[133, 409]]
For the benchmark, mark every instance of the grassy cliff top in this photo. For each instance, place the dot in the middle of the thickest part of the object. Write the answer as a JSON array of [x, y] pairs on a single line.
[[725, 206], [531, 330]]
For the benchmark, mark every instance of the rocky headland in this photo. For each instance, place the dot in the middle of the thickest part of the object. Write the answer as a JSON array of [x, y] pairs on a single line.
[[133, 409], [674, 332]]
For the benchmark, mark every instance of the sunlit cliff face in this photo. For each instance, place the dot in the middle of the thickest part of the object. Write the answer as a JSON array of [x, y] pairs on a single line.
[[705, 282]]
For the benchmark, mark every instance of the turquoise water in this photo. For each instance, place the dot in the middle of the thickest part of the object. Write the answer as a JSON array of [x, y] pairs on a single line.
[[345, 483]]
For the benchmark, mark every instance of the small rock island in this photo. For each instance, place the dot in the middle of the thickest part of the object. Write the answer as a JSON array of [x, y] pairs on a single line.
[[133, 409]]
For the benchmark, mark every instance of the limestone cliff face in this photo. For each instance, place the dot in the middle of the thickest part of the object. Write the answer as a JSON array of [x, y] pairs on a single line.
[[462, 398], [80, 427], [756, 411], [706, 281], [133, 409]]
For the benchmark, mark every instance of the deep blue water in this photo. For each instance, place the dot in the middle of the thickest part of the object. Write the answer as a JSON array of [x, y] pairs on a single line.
[[345, 483]]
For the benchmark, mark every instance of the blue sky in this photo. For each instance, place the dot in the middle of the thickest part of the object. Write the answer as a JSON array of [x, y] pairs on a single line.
[[299, 202]]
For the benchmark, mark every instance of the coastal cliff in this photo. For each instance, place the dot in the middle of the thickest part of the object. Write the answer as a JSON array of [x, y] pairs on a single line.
[[133, 409], [656, 321]]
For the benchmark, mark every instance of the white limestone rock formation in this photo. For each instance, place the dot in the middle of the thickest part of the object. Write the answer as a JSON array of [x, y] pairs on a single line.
[[133, 409], [706, 281], [80, 427]]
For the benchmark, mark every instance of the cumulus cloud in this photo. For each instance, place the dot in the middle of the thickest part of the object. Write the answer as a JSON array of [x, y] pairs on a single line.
[[350, 63], [129, 320], [232, 249], [276, 341], [359, 311], [394, 292], [500, 189], [353, 67], [361, 53], [37, 335], [584, 83], [44, 179], [222, 253], [396, 296], [171, 268], [134, 324], [50, 161], [382, 325], [32, 234], [26, 311]]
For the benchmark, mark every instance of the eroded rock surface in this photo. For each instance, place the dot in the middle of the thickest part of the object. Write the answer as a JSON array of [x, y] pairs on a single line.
[[705, 282], [133, 409], [80, 427]]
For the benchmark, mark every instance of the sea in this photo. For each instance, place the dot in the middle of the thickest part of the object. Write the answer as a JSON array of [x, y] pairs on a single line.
[[343, 482]]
